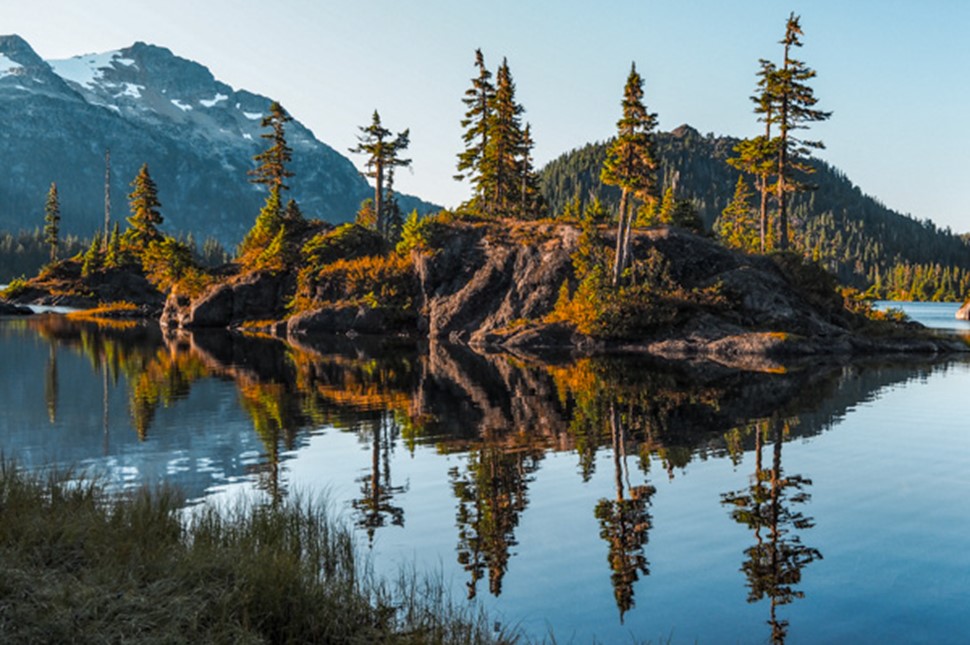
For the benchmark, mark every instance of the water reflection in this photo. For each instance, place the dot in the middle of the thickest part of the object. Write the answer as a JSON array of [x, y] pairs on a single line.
[[624, 521], [774, 563], [498, 417]]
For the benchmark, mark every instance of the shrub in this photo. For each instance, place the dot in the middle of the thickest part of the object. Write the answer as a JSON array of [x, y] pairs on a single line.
[[422, 233], [16, 287]]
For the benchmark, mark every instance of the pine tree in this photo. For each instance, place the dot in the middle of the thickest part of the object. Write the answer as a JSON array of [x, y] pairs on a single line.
[[758, 156], [478, 100], [52, 221], [92, 256], [271, 171], [144, 205], [531, 203], [795, 101], [630, 164], [665, 215], [383, 154], [500, 168], [736, 227], [112, 258]]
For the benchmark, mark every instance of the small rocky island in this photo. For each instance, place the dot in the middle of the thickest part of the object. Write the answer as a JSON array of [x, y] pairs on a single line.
[[531, 288]]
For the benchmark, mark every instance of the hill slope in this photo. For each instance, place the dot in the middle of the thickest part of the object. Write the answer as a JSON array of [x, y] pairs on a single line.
[[197, 134], [855, 235]]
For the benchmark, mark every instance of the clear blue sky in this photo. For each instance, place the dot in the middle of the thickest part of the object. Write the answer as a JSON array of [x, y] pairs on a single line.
[[894, 72]]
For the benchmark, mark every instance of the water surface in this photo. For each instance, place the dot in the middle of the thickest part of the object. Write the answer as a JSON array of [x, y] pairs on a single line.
[[608, 498]]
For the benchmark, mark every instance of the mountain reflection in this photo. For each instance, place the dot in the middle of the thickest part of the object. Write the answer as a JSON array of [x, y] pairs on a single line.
[[498, 416]]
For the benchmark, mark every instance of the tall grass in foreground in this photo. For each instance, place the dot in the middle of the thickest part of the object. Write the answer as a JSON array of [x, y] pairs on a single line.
[[79, 565]]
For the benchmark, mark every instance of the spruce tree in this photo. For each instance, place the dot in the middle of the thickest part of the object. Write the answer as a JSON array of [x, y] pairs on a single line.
[[630, 164], [272, 172], [383, 155], [758, 156], [794, 100], [531, 203], [500, 169], [736, 226], [478, 101], [52, 221], [144, 205]]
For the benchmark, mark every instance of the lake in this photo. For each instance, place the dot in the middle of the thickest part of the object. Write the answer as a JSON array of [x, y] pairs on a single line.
[[608, 498]]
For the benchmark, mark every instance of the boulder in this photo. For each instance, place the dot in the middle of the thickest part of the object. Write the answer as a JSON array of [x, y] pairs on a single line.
[[964, 312], [254, 296], [10, 309]]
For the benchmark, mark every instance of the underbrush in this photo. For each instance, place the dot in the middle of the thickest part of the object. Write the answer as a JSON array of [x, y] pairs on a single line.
[[83, 566], [386, 282]]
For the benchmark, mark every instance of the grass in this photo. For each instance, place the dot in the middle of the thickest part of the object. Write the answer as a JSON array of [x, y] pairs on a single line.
[[83, 566]]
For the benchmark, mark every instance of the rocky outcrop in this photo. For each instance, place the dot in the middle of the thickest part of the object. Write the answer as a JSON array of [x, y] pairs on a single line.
[[64, 285], [485, 279], [345, 319], [964, 312], [491, 286], [10, 309], [259, 295]]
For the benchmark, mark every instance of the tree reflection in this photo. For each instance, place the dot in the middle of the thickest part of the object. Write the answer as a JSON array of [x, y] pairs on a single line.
[[624, 522], [374, 507], [774, 563], [51, 383], [491, 494]]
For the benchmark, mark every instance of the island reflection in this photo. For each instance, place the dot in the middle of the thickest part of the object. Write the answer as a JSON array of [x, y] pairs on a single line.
[[503, 415]]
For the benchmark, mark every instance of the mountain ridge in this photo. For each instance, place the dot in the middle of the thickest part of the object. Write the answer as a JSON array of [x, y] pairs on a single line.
[[148, 105], [855, 235]]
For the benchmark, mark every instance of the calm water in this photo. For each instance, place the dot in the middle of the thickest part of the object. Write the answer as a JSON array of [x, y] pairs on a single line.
[[609, 498]]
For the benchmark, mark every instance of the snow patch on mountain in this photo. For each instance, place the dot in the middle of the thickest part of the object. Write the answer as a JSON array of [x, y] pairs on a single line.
[[211, 102], [130, 89], [88, 70], [182, 106], [253, 116]]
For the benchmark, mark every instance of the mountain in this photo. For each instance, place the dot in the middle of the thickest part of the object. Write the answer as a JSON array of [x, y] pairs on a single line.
[[147, 105], [860, 239]]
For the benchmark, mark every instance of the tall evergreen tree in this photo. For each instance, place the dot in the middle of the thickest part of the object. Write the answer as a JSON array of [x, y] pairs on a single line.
[[383, 154], [272, 172], [758, 156], [499, 169], [52, 221], [531, 203], [795, 101], [478, 100], [630, 164], [144, 205]]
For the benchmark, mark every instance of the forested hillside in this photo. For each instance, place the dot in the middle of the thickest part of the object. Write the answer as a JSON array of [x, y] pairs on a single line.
[[867, 244]]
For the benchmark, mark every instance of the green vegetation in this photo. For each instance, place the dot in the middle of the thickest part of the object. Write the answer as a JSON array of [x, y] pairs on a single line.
[[630, 164], [383, 156], [52, 221], [145, 216], [851, 234], [497, 158], [85, 566]]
